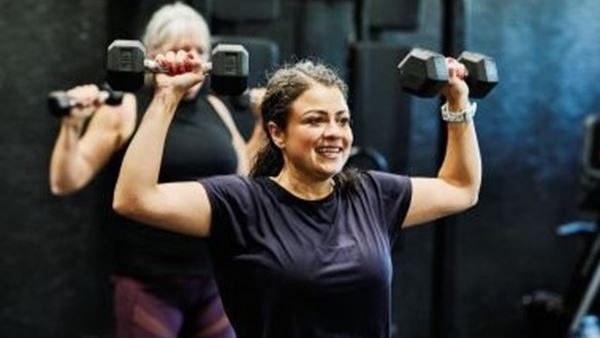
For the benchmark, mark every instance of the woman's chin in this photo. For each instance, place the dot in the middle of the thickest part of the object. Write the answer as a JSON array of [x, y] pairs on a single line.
[[330, 171]]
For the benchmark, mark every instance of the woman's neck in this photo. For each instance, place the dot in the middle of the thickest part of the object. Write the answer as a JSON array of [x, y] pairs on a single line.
[[307, 189]]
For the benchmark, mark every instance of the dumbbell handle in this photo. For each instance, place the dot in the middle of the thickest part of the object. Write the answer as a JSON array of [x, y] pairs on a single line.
[[153, 66], [60, 103]]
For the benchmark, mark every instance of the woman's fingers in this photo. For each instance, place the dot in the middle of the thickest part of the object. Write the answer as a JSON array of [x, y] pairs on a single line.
[[456, 69], [85, 95], [175, 63]]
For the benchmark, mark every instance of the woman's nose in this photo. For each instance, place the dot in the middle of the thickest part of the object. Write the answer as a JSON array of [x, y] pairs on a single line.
[[332, 129]]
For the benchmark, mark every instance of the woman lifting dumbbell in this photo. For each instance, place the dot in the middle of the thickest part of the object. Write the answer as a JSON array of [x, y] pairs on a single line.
[[163, 284], [301, 249]]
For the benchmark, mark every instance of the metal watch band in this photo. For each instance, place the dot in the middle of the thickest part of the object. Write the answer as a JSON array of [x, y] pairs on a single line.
[[463, 116]]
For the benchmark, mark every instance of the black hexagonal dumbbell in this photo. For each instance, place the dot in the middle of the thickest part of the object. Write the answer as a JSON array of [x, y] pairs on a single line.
[[60, 103], [127, 65], [482, 73], [424, 73]]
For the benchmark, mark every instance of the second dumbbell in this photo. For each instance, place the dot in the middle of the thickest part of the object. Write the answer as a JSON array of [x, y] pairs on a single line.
[[60, 103], [127, 65], [424, 73]]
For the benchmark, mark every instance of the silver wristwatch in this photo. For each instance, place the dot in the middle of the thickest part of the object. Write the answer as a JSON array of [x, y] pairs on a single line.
[[465, 115]]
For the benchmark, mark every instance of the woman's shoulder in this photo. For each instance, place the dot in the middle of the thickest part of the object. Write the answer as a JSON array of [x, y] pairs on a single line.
[[383, 181], [232, 183], [231, 179]]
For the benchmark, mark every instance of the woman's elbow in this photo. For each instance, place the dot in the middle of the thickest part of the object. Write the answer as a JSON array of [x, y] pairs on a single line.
[[467, 199], [61, 189], [132, 202], [122, 205], [57, 190], [472, 199], [475, 199]]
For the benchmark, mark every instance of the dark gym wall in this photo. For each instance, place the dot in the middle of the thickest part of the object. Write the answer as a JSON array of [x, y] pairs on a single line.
[[531, 137], [53, 277], [530, 133]]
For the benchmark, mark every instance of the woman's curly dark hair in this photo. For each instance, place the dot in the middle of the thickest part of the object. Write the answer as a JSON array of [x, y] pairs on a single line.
[[284, 87]]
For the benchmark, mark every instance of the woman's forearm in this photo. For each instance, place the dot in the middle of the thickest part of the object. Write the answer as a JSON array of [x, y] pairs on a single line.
[[462, 161], [141, 164], [65, 163]]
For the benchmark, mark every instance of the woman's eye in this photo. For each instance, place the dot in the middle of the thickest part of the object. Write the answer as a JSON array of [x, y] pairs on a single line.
[[314, 121], [344, 121]]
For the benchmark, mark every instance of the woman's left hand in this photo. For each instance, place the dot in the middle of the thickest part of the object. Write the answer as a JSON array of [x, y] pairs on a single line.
[[456, 91]]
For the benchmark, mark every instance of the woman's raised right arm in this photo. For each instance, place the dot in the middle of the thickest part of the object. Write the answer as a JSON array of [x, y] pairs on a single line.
[[181, 207], [77, 157]]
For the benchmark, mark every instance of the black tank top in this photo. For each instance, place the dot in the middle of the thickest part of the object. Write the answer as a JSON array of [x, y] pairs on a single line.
[[198, 144]]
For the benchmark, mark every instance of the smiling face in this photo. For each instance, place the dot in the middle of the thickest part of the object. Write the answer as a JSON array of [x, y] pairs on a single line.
[[317, 138]]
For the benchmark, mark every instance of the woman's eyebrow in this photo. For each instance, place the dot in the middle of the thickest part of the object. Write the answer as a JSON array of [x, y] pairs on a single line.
[[323, 112]]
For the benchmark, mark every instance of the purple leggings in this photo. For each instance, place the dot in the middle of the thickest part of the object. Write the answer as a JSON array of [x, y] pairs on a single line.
[[169, 307]]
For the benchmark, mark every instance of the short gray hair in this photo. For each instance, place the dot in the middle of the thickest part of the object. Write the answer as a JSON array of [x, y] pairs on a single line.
[[172, 20]]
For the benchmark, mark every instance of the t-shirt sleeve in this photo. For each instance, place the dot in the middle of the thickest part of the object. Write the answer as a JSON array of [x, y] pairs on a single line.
[[393, 195], [230, 200]]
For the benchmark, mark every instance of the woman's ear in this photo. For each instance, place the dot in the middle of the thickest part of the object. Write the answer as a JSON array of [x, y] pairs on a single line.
[[276, 134]]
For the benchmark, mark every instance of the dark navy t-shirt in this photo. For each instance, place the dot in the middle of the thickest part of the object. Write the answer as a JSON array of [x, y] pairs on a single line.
[[292, 268]]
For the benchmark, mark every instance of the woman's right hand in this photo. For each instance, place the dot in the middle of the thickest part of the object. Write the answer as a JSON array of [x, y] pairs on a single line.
[[88, 101], [183, 70]]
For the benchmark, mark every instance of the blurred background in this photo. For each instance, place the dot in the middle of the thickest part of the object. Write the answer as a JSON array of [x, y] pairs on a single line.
[[475, 275]]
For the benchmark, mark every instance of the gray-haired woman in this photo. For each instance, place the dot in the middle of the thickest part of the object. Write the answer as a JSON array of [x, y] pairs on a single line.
[[164, 286]]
